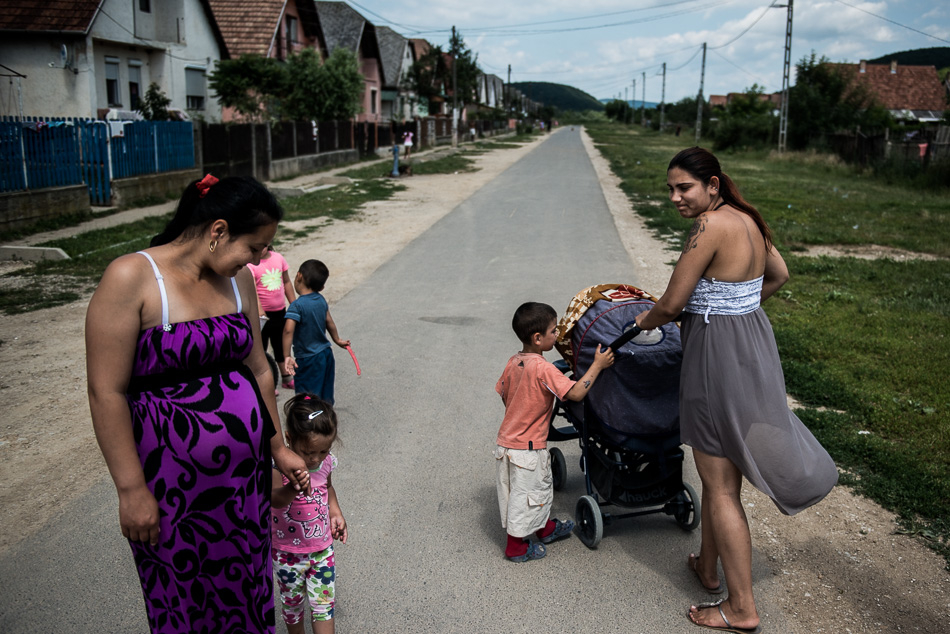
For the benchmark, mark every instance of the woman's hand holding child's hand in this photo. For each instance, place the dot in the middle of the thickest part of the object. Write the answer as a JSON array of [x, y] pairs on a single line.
[[294, 467]]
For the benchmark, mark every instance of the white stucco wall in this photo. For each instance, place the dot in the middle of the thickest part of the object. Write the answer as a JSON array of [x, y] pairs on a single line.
[[186, 41]]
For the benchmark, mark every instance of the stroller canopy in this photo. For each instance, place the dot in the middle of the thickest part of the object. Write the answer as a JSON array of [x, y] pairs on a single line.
[[639, 395]]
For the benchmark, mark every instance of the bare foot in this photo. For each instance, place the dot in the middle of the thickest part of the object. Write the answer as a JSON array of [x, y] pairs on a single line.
[[714, 615], [693, 563]]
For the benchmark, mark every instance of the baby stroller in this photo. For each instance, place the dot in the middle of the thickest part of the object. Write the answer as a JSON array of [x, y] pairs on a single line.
[[628, 426]]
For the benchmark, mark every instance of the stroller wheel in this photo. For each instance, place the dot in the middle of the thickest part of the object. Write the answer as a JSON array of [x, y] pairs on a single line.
[[590, 522], [558, 468], [687, 508], [273, 368]]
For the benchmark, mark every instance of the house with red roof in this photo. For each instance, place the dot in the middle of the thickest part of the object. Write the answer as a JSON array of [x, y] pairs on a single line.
[[910, 93], [96, 58], [269, 28]]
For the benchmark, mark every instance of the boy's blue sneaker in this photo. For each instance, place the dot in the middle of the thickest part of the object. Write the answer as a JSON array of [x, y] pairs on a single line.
[[535, 551], [561, 530]]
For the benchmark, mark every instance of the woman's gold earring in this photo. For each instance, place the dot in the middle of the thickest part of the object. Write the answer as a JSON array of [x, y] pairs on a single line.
[[212, 245]]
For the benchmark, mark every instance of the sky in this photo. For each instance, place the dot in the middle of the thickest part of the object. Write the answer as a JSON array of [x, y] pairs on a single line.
[[602, 46]]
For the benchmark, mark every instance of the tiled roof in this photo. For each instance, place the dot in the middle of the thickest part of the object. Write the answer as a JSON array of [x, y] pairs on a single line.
[[342, 26], [48, 15], [392, 48], [908, 88], [247, 26]]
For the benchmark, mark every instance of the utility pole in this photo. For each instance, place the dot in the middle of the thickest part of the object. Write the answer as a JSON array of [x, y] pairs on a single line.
[[786, 74], [508, 95], [455, 92], [699, 99], [643, 102], [633, 105], [663, 100], [627, 101]]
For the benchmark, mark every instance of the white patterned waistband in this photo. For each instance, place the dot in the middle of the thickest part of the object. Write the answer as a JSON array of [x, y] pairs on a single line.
[[713, 297]]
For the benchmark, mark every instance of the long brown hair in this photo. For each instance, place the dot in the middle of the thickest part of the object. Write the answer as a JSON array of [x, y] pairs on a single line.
[[702, 165]]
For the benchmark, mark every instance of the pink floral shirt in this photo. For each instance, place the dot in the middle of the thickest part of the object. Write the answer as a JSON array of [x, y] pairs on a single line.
[[304, 526]]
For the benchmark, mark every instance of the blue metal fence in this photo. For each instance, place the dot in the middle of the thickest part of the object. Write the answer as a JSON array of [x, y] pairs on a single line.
[[38, 152]]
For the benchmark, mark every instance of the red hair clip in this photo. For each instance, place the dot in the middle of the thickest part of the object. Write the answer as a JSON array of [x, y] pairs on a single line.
[[205, 184]]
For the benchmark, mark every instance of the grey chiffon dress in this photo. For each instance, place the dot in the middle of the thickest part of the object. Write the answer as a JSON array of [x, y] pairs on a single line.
[[732, 397]]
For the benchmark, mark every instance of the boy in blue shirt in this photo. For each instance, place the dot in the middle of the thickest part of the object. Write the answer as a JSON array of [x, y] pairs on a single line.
[[307, 323]]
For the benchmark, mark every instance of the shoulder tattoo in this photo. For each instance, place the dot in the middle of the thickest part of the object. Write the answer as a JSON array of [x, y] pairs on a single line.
[[692, 240]]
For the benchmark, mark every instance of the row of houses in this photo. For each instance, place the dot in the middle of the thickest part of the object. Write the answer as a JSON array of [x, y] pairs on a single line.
[[909, 93], [96, 58]]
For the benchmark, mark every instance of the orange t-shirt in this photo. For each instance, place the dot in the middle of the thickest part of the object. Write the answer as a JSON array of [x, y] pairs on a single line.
[[528, 387]]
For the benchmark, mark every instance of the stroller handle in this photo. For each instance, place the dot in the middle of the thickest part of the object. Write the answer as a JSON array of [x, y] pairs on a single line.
[[624, 338]]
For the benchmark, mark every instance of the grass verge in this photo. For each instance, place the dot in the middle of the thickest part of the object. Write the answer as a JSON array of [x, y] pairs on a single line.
[[457, 162], [863, 343]]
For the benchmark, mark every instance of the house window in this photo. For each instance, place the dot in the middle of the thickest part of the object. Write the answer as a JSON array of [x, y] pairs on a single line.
[[291, 34], [195, 88], [135, 83], [372, 101], [145, 6], [112, 82]]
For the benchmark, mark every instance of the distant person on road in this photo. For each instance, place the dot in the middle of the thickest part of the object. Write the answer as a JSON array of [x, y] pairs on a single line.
[[733, 408], [183, 408], [407, 142], [528, 387], [274, 292], [305, 524], [306, 325]]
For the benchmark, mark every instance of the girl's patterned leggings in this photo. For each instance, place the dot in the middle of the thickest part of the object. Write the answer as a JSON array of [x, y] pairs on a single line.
[[306, 576]]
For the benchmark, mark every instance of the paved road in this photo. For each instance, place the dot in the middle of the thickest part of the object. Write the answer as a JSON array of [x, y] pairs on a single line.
[[416, 480]]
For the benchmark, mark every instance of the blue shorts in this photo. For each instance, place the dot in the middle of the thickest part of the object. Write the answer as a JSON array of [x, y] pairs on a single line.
[[315, 375]]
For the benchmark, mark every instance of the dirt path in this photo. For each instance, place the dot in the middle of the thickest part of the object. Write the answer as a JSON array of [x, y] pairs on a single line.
[[838, 567]]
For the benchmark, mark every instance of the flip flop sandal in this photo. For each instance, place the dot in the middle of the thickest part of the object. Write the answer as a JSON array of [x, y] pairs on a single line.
[[729, 627], [693, 563], [561, 530], [535, 551]]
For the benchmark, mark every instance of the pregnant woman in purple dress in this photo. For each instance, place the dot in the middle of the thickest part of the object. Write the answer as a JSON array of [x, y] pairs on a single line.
[[183, 407]]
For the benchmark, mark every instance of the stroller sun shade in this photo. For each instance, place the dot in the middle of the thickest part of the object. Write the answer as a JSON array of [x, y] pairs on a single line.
[[639, 395]]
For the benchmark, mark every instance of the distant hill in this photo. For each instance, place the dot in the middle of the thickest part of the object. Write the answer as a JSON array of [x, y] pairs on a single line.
[[938, 56], [635, 104], [558, 95]]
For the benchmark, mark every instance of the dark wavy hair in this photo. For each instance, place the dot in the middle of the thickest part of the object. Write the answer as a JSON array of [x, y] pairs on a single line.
[[241, 201], [702, 165]]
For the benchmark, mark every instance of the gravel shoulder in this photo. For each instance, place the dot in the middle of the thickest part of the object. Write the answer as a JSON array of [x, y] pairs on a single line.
[[838, 567]]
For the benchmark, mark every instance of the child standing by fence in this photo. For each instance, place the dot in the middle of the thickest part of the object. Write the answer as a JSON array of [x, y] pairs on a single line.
[[305, 525], [306, 326], [274, 292]]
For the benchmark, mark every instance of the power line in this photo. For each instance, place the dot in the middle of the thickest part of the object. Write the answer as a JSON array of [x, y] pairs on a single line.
[[904, 26], [586, 17], [761, 15], [728, 61]]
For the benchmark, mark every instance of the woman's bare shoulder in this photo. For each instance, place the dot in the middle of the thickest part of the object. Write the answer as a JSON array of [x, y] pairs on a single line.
[[127, 274]]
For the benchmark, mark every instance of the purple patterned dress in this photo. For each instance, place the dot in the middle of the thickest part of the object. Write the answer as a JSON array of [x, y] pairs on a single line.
[[203, 436]]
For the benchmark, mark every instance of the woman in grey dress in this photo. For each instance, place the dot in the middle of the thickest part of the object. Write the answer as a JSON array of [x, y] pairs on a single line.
[[733, 410]]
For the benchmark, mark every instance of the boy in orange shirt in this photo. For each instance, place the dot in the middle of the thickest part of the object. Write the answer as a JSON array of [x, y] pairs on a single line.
[[528, 387]]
